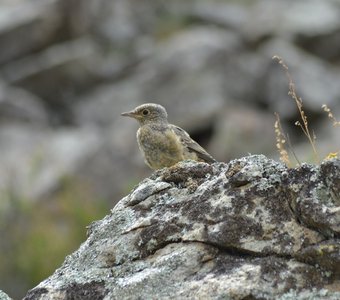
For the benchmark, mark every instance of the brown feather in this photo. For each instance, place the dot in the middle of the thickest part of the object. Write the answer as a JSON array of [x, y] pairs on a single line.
[[192, 145]]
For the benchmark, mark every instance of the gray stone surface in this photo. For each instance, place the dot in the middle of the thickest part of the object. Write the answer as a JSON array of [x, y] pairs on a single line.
[[27, 26], [34, 160], [228, 140], [247, 229], [20, 106], [4, 296]]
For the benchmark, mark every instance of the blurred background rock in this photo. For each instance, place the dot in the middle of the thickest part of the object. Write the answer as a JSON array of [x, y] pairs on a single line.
[[68, 68]]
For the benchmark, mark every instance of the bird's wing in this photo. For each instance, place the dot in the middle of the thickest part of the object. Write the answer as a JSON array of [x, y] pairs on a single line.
[[192, 145]]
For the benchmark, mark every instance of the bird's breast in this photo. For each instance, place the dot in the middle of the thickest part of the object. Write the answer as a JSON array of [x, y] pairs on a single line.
[[162, 139], [160, 146]]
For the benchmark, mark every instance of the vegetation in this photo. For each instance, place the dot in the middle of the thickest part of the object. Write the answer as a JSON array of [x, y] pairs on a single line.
[[282, 139], [40, 234]]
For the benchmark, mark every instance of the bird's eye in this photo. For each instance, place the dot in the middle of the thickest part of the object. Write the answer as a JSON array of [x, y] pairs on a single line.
[[145, 112]]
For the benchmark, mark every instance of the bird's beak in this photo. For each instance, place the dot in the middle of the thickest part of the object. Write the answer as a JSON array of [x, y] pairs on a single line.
[[131, 114]]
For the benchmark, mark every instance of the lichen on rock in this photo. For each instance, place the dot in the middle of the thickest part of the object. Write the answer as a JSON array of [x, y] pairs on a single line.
[[250, 228]]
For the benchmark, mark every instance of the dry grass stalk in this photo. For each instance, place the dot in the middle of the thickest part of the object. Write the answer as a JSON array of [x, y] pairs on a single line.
[[335, 123], [330, 115], [281, 141], [298, 101]]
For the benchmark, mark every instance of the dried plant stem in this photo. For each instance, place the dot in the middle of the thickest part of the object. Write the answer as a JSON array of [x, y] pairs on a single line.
[[330, 115], [281, 141], [304, 124], [292, 150]]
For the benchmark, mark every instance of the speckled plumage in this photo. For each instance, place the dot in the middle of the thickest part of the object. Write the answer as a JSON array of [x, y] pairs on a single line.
[[163, 144]]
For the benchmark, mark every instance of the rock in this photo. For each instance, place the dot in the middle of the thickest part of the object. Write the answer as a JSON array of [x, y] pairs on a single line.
[[291, 20], [187, 71], [225, 14], [239, 129], [243, 74], [55, 75], [74, 54], [20, 106], [27, 26], [4, 296], [247, 229], [103, 105], [316, 81], [325, 46], [34, 160]]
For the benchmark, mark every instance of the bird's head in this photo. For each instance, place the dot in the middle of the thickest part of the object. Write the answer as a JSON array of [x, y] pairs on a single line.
[[148, 113]]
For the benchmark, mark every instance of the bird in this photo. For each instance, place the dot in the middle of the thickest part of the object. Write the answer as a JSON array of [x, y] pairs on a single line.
[[161, 143]]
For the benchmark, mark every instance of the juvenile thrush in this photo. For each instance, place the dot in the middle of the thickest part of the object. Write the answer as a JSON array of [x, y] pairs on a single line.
[[163, 144]]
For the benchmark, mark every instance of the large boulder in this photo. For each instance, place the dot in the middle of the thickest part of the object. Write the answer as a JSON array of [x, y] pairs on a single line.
[[249, 229]]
